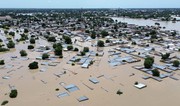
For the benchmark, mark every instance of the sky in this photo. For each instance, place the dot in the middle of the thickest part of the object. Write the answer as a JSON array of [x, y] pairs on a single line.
[[90, 4]]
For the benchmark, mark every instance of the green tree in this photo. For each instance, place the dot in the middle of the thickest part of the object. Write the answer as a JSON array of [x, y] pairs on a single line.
[[2, 62], [11, 44], [86, 49], [13, 93], [107, 41], [67, 39], [153, 32], [155, 73], [100, 43], [76, 49], [154, 37], [23, 37], [57, 44], [148, 62], [26, 30], [82, 53], [176, 63], [4, 102], [87, 31], [3, 49], [104, 33], [58, 51], [70, 47], [45, 56], [165, 56], [30, 47], [6, 32], [33, 65], [52, 39], [32, 41], [23, 53], [12, 33], [93, 34]]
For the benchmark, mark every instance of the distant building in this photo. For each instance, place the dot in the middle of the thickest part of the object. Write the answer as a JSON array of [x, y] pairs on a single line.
[[5, 18]]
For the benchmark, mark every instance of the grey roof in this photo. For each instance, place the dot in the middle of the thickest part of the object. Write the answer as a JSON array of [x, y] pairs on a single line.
[[82, 98], [71, 88], [63, 94], [87, 62], [94, 80], [159, 66]]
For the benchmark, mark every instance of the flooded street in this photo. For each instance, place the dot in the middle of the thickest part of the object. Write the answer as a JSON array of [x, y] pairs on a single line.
[[142, 22]]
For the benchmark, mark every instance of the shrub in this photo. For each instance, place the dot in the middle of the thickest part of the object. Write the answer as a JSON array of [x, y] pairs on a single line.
[[57, 89], [33, 65], [13, 93], [2, 62], [156, 73], [100, 43], [86, 49], [45, 56], [11, 44], [23, 53], [72, 64], [30, 47], [119, 92], [4, 102], [136, 83], [32, 41], [176, 63], [70, 47], [1, 40], [97, 54], [76, 49]]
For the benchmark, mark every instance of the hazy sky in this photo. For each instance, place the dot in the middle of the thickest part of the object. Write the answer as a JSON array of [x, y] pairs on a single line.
[[90, 4]]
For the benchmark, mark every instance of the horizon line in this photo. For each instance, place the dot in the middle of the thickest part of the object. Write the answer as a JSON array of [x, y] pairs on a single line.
[[93, 8]]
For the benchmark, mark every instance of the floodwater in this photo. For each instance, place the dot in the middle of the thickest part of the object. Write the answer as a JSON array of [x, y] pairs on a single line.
[[142, 22]]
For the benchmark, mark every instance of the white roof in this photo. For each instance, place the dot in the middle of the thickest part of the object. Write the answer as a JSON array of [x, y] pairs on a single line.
[[140, 85]]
